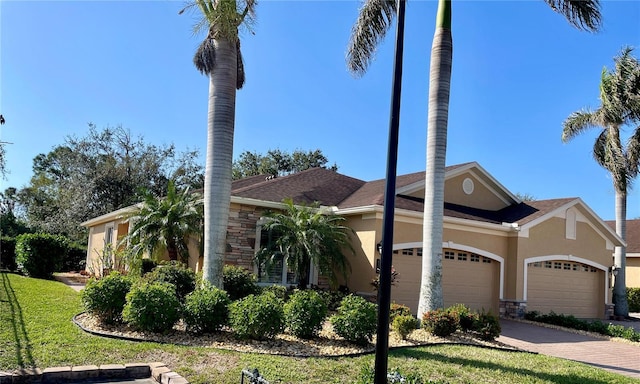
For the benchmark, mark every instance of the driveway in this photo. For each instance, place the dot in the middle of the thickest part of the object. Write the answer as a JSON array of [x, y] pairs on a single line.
[[614, 356]]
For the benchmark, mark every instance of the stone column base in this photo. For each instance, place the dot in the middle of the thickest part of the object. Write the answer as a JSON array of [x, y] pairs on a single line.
[[512, 309]]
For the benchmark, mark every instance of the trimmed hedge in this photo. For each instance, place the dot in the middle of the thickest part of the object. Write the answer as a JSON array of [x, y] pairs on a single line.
[[180, 276], [206, 309], [105, 298], [633, 298], [39, 254], [257, 317], [238, 282], [304, 313], [356, 320], [152, 307]]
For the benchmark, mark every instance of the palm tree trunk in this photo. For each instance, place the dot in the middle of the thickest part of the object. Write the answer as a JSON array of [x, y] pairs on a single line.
[[217, 181], [621, 307], [439, 87]]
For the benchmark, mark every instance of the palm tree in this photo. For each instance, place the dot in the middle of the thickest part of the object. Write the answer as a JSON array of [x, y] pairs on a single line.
[[306, 236], [620, 107], [218, 57], [164, 224], [373, 22]]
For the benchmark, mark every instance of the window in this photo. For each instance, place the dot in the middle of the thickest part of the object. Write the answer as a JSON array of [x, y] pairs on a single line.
[[566, 266], [462, 256], [419, 252], [547, 264], [557, 265], [408, 252], [474, 258], [486, 260], [276, 271], [574, 267], [449, 255]]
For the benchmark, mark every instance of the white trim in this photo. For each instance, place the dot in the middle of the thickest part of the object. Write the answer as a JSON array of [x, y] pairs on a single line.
[[576, 259], [462, 247]]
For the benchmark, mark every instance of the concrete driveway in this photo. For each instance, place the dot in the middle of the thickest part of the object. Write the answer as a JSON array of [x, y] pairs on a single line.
[[615, 356]]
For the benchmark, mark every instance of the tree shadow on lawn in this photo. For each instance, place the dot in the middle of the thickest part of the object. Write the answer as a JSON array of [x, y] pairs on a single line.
[[15, 319], [570, 378]]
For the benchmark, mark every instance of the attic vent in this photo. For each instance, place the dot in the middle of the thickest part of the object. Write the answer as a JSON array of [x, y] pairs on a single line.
[[467, 186], [270, 177]]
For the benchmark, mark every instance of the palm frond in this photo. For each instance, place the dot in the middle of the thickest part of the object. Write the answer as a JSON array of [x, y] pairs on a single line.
[[373, 22], [633, 153], [582, 14], [205, 57], [240, 76], [579, 122]]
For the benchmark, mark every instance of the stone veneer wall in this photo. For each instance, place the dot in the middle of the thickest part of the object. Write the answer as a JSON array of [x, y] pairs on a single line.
[[241, 235]]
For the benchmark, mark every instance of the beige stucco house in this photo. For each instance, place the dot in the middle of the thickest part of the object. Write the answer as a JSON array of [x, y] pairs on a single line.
[[499, 253], [632, 270]]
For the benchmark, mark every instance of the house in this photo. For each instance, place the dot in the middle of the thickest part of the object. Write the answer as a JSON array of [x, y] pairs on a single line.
[[632, 270], [499, 253]]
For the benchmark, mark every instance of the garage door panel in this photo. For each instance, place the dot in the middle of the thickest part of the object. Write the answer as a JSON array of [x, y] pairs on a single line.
[[565, 288]]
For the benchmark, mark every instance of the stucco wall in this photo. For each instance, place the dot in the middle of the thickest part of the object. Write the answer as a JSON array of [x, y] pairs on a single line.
[[481, 197], [633, 272]]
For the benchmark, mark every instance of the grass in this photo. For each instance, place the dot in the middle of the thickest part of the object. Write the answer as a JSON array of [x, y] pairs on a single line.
[[36, 331]]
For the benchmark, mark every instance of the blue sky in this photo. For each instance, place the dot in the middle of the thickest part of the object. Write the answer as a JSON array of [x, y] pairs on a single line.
[[519, 70]]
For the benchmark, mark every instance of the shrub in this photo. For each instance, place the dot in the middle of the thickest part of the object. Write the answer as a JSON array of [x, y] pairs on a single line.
[[440, 322], [280, 291], [152, 307], [356, 319], [176, 274], [332, 297], [403, 325], [8, 253], [488, 326], [39, 255], [532, 316], [257, 316], [238, 282], [398, 310], [633, 298], [465, 318], [105, 298], [206, 309], [304, 313], [597, 326]]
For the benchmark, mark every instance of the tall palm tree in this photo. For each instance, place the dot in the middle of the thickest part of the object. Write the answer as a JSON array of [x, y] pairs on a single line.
[[218, 57], [373, 22], [164, 224], [619, 107], [306, 236]]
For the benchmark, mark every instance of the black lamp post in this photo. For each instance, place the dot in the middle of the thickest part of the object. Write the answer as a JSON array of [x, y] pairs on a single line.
[[384, 290]]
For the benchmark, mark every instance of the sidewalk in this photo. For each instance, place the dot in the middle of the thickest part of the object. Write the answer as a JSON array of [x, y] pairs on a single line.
[[74, 280], [613, 356]]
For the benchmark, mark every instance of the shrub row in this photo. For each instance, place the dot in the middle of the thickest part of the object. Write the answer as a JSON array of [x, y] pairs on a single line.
[[166, 294], [444, 322], [597, 326], [633, 298]]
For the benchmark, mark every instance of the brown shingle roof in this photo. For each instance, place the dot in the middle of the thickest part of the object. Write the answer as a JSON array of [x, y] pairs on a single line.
[[633, 234], [313, 185]]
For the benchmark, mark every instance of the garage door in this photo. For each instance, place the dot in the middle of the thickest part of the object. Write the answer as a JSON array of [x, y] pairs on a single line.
[[466, 278], [565, 288]]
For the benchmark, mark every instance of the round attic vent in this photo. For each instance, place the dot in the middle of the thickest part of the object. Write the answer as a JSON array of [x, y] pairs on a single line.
[[467, 186]]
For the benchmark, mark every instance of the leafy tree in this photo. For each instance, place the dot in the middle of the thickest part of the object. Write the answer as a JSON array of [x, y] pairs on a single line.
[[10, 224], [164, 224], [619, 107], [306, 236], [525, 196], [277, 162], [101, 172], [373, 22], [219, 58]]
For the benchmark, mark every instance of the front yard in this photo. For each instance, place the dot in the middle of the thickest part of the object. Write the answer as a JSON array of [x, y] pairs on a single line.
[[36, 331]]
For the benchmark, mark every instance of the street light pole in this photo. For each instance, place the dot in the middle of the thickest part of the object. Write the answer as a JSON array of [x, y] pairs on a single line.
[[384, 291]]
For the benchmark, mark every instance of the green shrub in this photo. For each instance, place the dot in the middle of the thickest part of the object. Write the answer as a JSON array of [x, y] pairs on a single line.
[[403, 325], [398, 310], [356, 320], [257, 317], [152, 307], [105, 298], [75, 259], [633, 298], [280, 291], [8, 253], [39, 255], [176, 274], [465, 318], [532, 316], [488, 326], [332, 297], [304, 313], [440, 322], [206, 309], [238, 282]]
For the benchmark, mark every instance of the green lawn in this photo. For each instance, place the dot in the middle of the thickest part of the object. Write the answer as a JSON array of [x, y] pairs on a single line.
[[36, 331]]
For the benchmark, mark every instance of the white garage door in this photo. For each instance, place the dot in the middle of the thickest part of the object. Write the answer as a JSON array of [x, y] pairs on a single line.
[[466, 278], [565, 287]]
